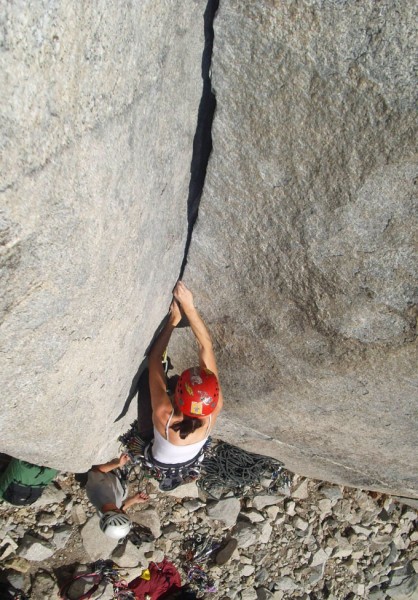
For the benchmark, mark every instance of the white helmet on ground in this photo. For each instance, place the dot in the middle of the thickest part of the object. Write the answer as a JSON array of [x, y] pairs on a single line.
[[115, 525]]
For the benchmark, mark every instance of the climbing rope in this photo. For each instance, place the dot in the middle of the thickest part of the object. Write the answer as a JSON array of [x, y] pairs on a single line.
[[227, 468]]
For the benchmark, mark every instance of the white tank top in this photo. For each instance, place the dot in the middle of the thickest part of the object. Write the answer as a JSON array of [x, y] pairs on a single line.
[[170, 454]]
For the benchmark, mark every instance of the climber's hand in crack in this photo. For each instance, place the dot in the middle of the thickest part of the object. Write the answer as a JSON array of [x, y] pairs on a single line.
[[183, 296], [207, 359], [174, 313]]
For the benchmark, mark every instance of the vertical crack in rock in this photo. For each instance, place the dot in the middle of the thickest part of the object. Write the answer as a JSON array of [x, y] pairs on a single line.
[[202, 142], [202, 147]]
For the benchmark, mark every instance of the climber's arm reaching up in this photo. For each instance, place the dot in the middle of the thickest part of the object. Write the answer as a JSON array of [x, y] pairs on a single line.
[[206, 355]]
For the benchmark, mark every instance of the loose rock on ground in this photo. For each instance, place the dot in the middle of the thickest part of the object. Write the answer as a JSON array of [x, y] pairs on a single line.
[[322, 541]]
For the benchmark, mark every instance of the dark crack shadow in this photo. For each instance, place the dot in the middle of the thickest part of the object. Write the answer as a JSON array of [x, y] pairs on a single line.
[[202, 142], [138, 382], [202, 147]]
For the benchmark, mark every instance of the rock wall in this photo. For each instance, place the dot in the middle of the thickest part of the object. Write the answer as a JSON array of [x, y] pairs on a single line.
[[99, 108], [303, 259]]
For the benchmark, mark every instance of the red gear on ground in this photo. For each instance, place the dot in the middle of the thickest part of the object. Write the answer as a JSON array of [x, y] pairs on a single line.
[[164, 579], [197, 392]]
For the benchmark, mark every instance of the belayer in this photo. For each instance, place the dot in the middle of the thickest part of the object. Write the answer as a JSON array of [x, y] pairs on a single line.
[[107, 490], [182, 421]]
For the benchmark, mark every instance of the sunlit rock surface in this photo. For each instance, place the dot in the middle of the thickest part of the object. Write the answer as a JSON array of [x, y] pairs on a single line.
[[303, 259], [99, 104]]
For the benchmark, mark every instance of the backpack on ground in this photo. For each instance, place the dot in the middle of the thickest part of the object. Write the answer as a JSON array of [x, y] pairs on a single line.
[[23, 483], [164, 579]]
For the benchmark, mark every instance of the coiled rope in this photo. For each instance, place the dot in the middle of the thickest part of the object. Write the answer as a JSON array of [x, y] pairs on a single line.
[[227, 468]]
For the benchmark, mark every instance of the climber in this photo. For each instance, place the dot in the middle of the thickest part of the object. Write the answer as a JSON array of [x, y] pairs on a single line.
[[107, 489], [182, 421]]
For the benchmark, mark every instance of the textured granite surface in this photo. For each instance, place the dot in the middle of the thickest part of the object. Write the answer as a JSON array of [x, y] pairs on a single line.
[[99, 112], [304, 255]]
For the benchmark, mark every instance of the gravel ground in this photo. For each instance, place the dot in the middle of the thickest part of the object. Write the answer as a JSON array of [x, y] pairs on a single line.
[[312, 541]]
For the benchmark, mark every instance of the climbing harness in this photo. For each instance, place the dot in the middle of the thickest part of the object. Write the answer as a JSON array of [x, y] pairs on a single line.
[[227, 468], [103, 571], [168, 476]]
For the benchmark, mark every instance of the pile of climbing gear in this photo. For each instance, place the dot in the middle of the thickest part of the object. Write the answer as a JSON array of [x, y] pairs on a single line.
[[197, 551], [200, 580], [227, 469], [199, 548], [132, 443], [101, 572], [157, 581]]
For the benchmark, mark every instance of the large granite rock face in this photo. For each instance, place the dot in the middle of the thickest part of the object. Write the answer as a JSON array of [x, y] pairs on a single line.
[[303, 258], [99, 108]]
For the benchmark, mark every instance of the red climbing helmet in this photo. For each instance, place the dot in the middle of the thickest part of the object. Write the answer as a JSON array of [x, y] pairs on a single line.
[[197, 392]]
